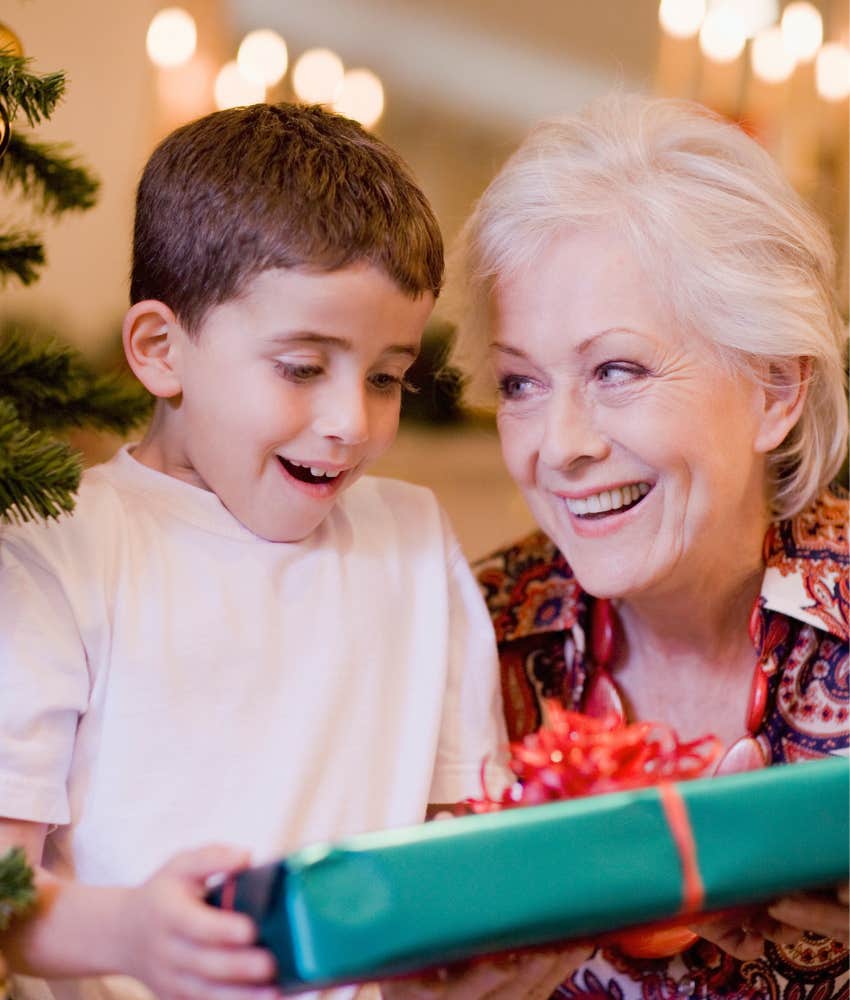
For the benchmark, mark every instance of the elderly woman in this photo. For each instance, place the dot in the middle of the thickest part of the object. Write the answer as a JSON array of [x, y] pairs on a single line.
[[654, 306]]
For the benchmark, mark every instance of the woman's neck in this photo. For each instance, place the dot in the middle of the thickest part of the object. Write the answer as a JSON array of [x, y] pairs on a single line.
[[705, 610], [686, 657]]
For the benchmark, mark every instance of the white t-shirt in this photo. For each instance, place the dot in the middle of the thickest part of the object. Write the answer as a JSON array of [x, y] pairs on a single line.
[[169, 679]]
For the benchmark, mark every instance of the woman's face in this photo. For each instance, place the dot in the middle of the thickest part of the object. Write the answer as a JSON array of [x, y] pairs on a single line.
[[638, 453]]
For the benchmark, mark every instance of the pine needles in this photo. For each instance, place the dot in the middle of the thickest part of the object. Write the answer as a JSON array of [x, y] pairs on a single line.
[[46, 388], [17, 893]]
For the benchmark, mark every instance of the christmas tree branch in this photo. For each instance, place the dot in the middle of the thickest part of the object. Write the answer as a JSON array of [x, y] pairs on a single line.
[[51, 387], [61, 183], [38, 475], [21, 255], [35, 95], [17, 892]]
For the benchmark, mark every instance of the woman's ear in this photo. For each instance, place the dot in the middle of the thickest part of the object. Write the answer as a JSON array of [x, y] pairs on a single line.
[[784, 389], [150, 334]]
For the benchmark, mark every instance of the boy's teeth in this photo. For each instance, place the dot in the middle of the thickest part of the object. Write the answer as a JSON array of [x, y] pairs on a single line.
[[313, 470], [622, 496]]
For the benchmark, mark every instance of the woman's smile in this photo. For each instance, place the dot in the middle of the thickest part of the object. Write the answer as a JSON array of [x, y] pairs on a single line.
[[611, 500]]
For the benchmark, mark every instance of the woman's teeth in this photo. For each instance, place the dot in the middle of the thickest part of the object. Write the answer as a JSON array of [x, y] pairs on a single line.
[[608, 500]]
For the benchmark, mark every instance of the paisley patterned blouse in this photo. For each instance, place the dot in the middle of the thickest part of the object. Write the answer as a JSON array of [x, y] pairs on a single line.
[[800, 630]]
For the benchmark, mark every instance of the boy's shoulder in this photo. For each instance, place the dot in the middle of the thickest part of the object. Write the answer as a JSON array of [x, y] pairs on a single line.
[[79, 533]]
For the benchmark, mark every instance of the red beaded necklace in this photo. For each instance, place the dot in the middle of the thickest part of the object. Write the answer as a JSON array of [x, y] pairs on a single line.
[[603, 696]]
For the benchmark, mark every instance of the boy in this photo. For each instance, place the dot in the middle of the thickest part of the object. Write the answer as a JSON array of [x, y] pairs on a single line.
[[235, 638]]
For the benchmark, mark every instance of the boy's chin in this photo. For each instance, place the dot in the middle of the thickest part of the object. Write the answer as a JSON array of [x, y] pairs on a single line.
[[279, 533]]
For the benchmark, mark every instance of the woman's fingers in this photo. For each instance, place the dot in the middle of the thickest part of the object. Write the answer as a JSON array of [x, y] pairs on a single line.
[[531, 976], [815, 912], [742, 941]]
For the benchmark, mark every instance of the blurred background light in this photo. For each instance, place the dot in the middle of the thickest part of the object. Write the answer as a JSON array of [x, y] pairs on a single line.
[[681, 18], [832, 71], [756, 15], [233, 90], [10, 42], [317, 76], [262, 57], [171, 37], [361, 97], [722, 36], [769, 56], [802, 28]]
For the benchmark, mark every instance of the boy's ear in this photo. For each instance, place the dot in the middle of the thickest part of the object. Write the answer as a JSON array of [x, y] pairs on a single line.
[[786, 384], [150, 343]]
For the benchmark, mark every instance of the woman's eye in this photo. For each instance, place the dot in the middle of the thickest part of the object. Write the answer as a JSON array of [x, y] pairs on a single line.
[[618, 372], [514, 386], [297, 372]]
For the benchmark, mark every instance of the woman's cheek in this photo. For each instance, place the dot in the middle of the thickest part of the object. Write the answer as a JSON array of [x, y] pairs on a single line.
[[519, 450]]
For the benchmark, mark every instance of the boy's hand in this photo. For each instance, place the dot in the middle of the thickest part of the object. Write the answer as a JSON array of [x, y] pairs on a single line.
[[184, 949]]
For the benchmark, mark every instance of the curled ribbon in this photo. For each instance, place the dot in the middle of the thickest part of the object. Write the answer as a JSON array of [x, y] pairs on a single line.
[[575, 755]]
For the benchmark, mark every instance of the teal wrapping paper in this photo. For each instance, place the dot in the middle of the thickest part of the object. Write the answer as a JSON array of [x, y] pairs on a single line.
[[393, 902]]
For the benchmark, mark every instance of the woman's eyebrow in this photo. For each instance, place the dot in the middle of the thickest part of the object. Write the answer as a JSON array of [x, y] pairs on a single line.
[[506, 349], [588, 341]]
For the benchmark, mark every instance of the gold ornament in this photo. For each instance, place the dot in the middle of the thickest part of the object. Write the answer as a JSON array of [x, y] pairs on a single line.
[[10, 44], [5, 136]]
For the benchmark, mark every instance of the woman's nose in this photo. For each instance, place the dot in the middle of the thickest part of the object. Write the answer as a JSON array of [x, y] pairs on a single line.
[[344, 416], [570, 431]]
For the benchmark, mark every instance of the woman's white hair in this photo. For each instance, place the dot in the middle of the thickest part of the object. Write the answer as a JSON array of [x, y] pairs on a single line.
[[725, 239]]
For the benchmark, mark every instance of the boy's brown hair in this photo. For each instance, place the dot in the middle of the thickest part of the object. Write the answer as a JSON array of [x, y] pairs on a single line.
[[245, 190]]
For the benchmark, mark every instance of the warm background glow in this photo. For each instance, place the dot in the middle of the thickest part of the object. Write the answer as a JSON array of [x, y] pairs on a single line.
[[361, 97], [171, 37], [233, 89], [317, 76], [263, 57]]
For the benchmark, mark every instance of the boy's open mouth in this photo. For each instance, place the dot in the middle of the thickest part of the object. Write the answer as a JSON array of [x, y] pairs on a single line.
[[306, 473]]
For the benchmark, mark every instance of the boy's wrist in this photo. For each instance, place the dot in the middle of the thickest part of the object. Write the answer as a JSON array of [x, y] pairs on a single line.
[[91, 922], [113, 911]]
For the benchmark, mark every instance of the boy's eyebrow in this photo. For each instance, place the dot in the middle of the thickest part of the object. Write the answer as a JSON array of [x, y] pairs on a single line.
[[342, 343]]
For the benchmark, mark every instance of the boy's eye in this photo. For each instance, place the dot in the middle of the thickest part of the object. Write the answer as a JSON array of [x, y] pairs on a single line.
[[297, 372], [385, 382]]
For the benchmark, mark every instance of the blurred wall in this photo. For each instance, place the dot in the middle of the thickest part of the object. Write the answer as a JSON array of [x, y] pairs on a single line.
[[463, 81]]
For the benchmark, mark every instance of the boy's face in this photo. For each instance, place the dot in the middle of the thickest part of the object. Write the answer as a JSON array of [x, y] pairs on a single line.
[[291, 390]]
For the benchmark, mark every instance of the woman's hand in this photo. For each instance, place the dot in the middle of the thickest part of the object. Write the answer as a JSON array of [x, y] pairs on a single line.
[[825, 913], [783, 922], [532, 976], [184, 949]]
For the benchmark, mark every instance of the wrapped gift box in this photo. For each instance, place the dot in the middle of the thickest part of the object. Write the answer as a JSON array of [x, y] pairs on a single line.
[[388, 903]]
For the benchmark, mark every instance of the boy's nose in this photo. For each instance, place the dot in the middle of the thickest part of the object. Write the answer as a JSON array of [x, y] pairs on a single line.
[[345, 417]]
